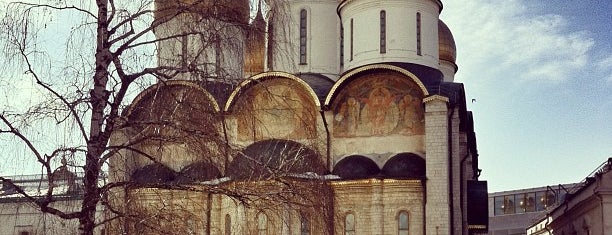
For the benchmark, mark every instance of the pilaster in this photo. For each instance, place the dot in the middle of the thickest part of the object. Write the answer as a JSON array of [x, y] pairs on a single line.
[[437, 209]]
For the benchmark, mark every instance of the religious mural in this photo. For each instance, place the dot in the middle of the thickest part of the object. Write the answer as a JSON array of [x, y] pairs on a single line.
[[378, 105], [275, 109]]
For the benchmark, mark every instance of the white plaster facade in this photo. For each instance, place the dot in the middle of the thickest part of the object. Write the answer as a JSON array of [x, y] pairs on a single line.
[[388, 130]]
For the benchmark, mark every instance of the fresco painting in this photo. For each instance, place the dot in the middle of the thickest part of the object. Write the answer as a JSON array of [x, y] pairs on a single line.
[[379, 105], [275, 109]]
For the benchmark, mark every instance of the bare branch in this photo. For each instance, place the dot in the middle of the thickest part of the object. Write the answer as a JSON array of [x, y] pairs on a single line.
[[37, 5]]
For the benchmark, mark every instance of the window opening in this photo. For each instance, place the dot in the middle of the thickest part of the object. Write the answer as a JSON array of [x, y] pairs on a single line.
[[352, 29], [418, 32], [349, 224], [402, 223], [304, 225], [383, 32], [262, 224], [303, 35]]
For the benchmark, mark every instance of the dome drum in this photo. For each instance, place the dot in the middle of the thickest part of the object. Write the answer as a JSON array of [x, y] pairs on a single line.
[[371, 34], [229, 10]]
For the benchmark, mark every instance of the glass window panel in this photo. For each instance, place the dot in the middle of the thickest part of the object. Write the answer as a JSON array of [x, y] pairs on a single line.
[[550, 199], [509, 204], [540, 200], [519, 203], [530, 202], [499, 205]]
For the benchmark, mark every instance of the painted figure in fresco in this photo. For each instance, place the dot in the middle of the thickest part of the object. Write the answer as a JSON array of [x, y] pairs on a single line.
[[353, 113], [378, 103], [410, 115], [347, 117]]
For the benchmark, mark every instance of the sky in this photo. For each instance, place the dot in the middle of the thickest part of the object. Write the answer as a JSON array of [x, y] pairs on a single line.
[[541, 75]]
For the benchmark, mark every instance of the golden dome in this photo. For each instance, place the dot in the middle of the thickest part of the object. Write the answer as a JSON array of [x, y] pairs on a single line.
[[446, 42], [230, 10]]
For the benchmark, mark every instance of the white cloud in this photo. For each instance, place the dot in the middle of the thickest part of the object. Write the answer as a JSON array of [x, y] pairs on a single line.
[[605, 63], [604, 66], [501, 37]]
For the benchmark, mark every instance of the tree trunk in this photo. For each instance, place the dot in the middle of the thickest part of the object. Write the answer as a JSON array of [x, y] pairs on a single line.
[[97, 137]]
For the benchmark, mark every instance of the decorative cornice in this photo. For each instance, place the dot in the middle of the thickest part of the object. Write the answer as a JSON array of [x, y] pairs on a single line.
[[435, 98], [368, 182]]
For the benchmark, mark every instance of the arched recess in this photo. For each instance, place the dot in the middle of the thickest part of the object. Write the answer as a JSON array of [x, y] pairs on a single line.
[[155, 173], [355, 73], [254, 80], [174, 122], [274, 105], [275, 158], [198, 172], [377, 100], [406, 166], [356, 167]]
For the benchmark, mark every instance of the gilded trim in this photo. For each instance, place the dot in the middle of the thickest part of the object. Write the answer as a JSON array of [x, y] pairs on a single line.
[[172, 83], [435, 97], [265, 75], [477, 226], [356, 71], [372, 181]]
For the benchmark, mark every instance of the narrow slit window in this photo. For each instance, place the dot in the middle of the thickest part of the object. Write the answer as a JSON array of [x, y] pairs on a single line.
[[349, 224], [228, 225], [303, 35], [418, 32], [402, 223], [217, 41], [271, 44], [304, 225], [352, 27], [383, 32], [341, 45], [184, 51], [262, 224]]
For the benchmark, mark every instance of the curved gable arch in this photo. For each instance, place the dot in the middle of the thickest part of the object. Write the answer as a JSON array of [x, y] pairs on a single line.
[[171, 83], [348, 77], [254, 80]]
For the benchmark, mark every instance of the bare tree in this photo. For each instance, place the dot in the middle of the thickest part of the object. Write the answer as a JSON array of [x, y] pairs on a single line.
[[113, 50]]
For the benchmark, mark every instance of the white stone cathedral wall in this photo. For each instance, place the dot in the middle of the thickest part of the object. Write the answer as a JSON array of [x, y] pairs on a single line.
[[437, 206]]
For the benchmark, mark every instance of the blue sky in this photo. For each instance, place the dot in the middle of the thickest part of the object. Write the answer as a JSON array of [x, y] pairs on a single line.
[[541, 74]]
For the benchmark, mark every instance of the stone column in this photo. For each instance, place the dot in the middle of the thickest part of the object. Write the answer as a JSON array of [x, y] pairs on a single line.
[[437, 210]]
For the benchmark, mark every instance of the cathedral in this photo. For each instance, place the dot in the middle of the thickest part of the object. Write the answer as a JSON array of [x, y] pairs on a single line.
[[309, 117]]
